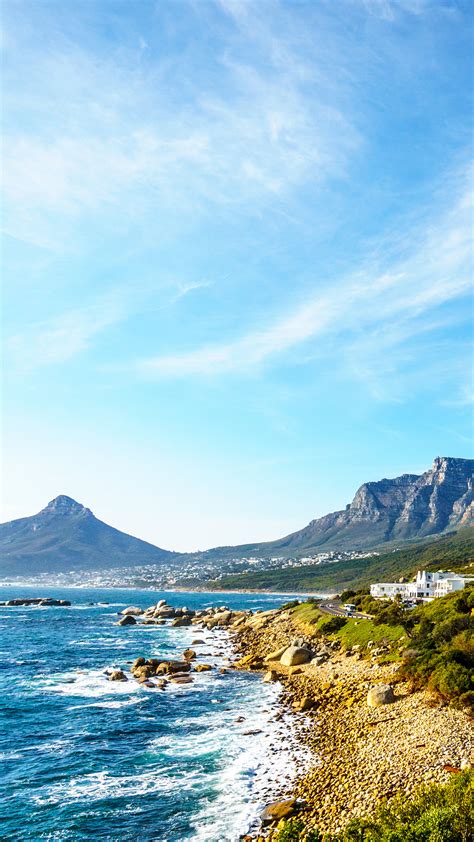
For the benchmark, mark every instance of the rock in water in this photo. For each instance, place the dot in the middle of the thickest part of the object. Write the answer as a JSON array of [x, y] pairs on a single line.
[[117, 675], [132, 610], [128, 620], [380, 695], [295, 655], [189, 654]]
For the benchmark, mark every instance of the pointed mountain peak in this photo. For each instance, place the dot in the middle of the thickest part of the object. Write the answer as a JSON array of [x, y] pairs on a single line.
[[64, 505]]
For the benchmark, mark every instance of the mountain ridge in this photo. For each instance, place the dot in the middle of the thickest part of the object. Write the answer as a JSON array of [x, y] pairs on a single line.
[[405, 507], [66, 536]]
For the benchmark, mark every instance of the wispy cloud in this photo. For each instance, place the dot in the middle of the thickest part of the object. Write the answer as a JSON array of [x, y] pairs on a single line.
[[72, 332], [434, 270]]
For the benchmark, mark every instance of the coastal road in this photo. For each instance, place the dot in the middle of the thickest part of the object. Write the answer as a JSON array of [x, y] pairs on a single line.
[[336, 610]]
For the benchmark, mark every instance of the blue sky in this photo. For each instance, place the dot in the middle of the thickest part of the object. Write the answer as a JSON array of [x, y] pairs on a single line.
[[236, 256]]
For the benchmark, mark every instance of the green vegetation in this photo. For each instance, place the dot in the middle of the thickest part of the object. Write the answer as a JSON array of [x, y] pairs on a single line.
[[334, 624], [437, 813], [349, 631], [360, 632], [440, 635], [450, 552], [443, 648]]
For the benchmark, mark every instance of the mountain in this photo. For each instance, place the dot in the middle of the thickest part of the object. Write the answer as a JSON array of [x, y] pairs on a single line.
[[404, 508], [65, 536], [450, 551]]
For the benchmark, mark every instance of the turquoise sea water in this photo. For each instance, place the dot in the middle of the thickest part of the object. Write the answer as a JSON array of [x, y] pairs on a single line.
[[85, 758]]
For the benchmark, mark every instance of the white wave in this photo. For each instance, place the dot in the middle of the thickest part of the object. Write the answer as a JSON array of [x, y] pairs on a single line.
[[112, 703], [90, 683], [97, 786]]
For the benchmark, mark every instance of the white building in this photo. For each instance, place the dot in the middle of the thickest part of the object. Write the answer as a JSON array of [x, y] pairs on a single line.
[[426, 586]]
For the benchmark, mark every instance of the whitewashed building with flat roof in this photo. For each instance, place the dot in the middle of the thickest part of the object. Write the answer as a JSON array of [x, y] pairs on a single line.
[[427, 585]]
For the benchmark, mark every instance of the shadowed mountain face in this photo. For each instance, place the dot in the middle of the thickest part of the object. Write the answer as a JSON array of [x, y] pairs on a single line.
[[65, 536], [406, 507]]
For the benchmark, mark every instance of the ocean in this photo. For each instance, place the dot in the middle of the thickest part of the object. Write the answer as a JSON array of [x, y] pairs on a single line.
[[86, 758]]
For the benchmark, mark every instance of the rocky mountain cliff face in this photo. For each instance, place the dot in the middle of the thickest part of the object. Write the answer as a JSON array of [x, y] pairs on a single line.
[[409, 506], [66, 536]]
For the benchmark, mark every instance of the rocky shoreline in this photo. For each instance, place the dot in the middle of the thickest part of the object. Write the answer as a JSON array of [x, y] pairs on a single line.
[[371, 738], [363, 735]]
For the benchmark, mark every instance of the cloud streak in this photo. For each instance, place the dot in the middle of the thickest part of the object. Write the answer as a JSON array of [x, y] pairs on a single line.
[[437, 269]]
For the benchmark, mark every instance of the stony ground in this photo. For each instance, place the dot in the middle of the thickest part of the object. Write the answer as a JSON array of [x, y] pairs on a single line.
[[361, 754]]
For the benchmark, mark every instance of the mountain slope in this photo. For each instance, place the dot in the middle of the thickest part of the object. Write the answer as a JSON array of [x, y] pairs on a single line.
[[404, 508], [66, 536], [454, 551]]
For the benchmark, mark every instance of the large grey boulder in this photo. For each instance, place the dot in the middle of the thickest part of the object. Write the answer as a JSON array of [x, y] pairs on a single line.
[[132, 611], [295, 655], [381, 694]]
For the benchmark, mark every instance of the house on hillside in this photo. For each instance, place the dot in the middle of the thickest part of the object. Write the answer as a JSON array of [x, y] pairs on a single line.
[[427, 585]]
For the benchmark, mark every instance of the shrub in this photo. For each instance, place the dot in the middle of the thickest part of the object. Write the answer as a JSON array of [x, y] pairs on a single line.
[[436, 814], [292, 604], [332, 625], [347, 595], [451, 680], [466, 700], [294, 830]]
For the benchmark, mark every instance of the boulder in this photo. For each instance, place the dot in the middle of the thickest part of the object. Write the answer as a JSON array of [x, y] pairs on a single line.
[[181, 621], [179, 678], [165, 612], [132, 611], [294, 655], [203, 668], [278, 810], [171, 667], [319, 659], [250, 662], [138, 662], [197, 642], [270, 676], [276, 655], [128, 620], [305, 703], [143, 673], [381, 694], [117, 675]]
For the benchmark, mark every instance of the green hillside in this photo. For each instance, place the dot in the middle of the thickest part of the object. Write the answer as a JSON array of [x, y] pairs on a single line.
[[454, 551]]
